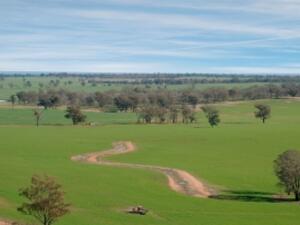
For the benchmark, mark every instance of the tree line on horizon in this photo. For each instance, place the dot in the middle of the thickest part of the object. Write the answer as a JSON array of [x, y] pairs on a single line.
[[162, 80]]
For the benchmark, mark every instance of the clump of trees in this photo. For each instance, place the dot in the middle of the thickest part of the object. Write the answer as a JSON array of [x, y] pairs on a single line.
[[45, 200], [291, 89], [287, 169], [146, 114], [74, 113], [263, 112], [188, 114], [48, 101], [212, 114], [155, 113]]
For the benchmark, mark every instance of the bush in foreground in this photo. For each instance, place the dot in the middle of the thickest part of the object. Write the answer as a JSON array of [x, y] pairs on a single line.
[[45, 200]]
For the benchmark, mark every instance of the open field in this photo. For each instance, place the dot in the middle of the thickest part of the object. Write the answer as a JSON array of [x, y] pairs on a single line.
[[24, 116], [236, 158]]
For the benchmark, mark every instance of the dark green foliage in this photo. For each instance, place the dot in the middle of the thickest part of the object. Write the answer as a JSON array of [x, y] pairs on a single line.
[[263, 112], [124, 102], [48, 101], [212, 114], [74, 113], [287, 169]]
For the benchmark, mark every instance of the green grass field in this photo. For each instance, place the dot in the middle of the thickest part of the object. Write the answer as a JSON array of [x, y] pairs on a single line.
[[24, 116], [236, 157]]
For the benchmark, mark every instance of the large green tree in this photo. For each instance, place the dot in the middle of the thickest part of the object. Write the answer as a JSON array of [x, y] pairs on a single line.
[[263, 112], [287, 169]]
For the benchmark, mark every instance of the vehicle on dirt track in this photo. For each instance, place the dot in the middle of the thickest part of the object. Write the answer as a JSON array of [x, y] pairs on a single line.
[[138, 210]]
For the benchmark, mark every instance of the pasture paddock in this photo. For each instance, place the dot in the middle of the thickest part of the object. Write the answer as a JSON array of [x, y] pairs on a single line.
[[236, 157]]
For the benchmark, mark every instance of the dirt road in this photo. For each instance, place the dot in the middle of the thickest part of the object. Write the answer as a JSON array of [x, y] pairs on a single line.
[[178, 180]]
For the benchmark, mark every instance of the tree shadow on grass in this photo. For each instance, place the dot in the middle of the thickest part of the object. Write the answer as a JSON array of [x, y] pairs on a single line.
[[237, 122], [252, 196]]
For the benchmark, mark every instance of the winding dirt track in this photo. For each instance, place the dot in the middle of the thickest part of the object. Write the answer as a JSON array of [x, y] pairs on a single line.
[[179, 180]]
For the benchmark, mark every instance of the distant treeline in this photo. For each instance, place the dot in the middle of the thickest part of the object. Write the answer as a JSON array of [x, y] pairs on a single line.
[[163, 78]]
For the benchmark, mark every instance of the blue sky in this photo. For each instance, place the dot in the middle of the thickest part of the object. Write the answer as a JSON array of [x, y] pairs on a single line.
[[232, 36]]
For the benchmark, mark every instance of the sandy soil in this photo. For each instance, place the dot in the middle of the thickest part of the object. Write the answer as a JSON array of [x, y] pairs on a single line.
[[4, 223], [179, 180]]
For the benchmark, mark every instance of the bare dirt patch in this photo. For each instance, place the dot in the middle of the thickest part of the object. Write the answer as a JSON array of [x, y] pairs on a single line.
[[2, 222], [178, 180]]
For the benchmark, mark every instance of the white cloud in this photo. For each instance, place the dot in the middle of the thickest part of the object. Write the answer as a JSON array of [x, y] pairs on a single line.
[[286, 8], [184, 22], [287, 70], [118, 67]]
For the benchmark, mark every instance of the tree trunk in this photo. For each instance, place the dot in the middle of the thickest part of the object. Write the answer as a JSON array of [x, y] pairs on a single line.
[[45, 220], [297, 196], [37, 122]]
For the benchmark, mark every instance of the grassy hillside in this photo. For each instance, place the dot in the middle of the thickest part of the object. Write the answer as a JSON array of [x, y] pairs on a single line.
[[237, 157]]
